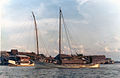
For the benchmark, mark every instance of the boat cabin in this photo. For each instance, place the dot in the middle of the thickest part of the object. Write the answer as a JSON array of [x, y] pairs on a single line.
[[23, 58], [68, 59]]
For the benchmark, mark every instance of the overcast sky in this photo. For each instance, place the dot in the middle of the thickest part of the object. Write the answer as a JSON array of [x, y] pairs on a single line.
[[94, 26]]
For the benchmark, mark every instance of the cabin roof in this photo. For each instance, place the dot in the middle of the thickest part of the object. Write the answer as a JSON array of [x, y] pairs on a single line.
[[95, 55], [22, 56], [63, 56]]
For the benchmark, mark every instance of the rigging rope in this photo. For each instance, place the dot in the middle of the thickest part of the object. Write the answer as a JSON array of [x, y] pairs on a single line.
[[69, 37], [43, 45], [67, 34]]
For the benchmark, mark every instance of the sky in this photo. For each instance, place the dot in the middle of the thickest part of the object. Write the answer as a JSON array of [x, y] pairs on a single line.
[[94, 26]]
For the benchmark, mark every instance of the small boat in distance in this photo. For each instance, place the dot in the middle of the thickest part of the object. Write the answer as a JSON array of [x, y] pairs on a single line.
[[63, 60], [20, 60]]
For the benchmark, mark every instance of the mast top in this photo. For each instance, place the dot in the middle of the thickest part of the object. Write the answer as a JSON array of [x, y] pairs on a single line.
[[60, 9]]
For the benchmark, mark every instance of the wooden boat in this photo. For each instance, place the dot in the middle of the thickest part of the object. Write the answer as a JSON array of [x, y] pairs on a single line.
[[20, 60], [44, 65], [62, 62], [21, 65]]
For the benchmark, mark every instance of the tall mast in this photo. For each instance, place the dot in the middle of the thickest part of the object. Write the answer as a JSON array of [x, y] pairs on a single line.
[[36, 32], [60, 12]]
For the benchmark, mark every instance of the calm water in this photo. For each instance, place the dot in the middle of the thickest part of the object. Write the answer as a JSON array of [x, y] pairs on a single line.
[[106, 71]]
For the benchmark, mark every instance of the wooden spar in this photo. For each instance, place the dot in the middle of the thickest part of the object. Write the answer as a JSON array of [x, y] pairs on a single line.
[[60, 32], [36, 32]]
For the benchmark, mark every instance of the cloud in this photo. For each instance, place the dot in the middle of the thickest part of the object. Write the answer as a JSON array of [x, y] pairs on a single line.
[[81, 2], [26, 26], [22, 33], [82, 49], [44, 51], [0, 39], [92, 25], [117, 50], [109, 49], [79, 48], [54, 52], [89, 9], [77, 22], [116, 2], [3, 3], [67, 50], [19, 32], [20, 48], [117, 37], [40, 10]]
